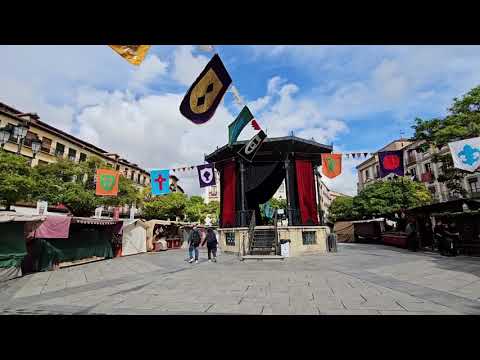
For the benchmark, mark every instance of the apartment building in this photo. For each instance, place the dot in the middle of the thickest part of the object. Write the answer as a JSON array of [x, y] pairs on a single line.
[[42, 143]]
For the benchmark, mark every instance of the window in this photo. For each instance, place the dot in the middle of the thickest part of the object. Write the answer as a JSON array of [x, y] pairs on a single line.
[[72, 154], [213, 190], [132, 174], [125, 172], [83, 157], [59, 149], [138, 178], [117, 167], [367, 174], [428, 167], [28, 139], [230, 238], [309, 237], [46, 144], [474, 186], [377, 171], [413, 171]]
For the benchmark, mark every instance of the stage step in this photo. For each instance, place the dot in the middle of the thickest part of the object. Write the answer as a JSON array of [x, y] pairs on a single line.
[[262, 257]]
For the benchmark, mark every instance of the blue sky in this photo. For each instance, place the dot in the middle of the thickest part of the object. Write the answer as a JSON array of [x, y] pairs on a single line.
[[357, 97]]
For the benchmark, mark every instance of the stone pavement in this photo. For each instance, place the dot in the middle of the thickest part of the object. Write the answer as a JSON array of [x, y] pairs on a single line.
[[359, 279]]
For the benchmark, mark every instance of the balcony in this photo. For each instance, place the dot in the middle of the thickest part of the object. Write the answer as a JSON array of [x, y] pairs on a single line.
[[428, 177], [411, 159]]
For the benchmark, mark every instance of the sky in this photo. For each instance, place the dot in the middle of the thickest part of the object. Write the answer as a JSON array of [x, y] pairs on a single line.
[[358, 98]]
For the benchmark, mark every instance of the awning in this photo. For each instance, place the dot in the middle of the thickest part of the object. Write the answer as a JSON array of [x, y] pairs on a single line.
[[93, 221], [6, 217]]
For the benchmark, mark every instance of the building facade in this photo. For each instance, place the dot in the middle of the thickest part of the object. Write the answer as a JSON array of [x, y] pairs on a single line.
[[56, 144]]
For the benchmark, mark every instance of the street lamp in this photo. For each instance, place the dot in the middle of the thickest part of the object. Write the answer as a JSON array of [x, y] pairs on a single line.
[[36, 145], [20, 131], [4, 136]]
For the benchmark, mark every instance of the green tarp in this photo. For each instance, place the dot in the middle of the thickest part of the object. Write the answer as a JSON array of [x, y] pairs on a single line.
[[12, 244], [84, 242]]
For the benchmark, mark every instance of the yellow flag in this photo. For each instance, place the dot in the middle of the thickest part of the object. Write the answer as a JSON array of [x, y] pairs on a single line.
[[134, 54]]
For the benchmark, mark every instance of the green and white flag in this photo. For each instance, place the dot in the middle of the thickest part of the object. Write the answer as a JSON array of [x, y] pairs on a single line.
[[236, 127]]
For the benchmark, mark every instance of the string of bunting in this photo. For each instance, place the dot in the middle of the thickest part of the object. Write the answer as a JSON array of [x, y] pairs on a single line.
[[200, 104]]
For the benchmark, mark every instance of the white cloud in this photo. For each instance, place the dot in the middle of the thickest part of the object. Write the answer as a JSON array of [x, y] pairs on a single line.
[[187, 67], [151, 68]]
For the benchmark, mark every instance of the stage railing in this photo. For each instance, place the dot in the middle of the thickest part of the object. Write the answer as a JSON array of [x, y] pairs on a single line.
[[293, 217], [243, 217]]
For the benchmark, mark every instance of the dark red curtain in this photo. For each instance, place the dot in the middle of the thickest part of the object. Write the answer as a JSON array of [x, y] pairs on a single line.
[[306, 192], [228, 194]]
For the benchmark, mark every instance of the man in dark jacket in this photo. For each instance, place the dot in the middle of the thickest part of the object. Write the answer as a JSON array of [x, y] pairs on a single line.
[[212, 242], [194, 240]]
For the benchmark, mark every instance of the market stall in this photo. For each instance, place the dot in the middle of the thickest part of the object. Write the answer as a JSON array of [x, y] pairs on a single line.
[[13, 247], [88, 240], [134, 237]]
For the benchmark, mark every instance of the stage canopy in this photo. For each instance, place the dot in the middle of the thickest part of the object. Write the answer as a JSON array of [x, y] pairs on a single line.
[[245, 185]]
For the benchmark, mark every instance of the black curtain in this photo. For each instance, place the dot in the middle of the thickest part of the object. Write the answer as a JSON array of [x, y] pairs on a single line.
[[261, 183]]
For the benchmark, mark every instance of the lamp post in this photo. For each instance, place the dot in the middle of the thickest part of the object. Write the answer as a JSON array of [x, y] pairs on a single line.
[[36, 145], [4, 136], [20, 131]]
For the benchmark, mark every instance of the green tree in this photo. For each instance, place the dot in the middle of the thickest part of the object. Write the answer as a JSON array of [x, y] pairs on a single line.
[[196, 209], [165, 206], [461, 122], [341, 208], [15, 178], [389, 196], [73, 184]]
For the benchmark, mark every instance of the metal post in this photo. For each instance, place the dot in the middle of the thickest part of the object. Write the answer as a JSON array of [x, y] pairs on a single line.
[[287, 185], [242, 193], [316, 175]]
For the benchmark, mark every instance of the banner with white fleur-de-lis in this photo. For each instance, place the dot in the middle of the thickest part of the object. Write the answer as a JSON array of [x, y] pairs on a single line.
[[466, 154]]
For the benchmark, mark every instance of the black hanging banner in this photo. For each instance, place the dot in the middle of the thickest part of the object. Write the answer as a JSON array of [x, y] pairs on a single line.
[[250, 149]]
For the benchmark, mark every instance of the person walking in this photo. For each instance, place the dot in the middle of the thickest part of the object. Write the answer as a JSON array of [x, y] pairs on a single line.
[[411, 235], [439, 236], [212, 242], [193, 244]]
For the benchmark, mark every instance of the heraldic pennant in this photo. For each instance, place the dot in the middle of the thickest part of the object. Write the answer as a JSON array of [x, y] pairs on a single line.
[[203, 97], [250, 149]]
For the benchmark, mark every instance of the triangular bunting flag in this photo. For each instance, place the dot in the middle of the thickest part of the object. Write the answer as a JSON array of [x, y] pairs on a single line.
[[203, 97], [353, 155], [365, 154]]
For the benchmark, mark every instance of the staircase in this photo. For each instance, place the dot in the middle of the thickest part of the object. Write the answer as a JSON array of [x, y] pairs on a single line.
[[263, 242]]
